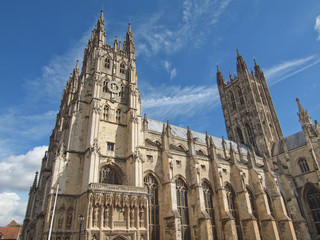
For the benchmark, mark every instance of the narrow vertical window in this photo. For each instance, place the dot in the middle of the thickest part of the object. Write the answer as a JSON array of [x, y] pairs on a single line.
[[240, 95], [304, 165], [106, 113], [182, 205], [208, 194], [154, 228], [252, 203], [313, 200], [240, 136], [233, 209], [122, 68], [232, 100], [105, 85], [107, 63], [250, 135], [118, 115]]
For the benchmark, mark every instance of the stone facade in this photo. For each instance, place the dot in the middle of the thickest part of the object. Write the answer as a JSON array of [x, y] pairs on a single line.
[[134, 178]]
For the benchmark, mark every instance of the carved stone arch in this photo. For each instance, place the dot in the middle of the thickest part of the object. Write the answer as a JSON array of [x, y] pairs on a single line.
[[206, 180], [116, 174], [179, 176], [182, 147], [252, 199], [231, 99], [239, 134], [201, 151], [302, 162], [239, 94], [270, 202], [155, 175]]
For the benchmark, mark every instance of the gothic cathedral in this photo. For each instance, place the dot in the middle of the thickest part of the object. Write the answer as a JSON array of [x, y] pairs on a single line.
[[112, 174]]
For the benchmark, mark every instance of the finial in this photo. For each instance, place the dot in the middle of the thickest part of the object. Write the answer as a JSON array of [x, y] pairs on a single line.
[[218, 70], [254, 60], [299, 105], [77, 64], [238, 54], [129, 27], [101, 15], [230, 76]]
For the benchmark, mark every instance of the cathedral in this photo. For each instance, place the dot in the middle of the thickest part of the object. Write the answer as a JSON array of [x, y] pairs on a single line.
[[111, 173]]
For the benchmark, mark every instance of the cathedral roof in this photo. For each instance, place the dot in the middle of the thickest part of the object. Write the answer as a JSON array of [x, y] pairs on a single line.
[[176, 131], [293, 141]]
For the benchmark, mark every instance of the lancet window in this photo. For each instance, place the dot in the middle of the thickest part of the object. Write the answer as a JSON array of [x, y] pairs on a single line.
[[122, 68], [233, 208], [250, 135], [106, 112], [313, 199], [208, 194], [153, 190], [232, 100], [107, 63], [240, 136], [304, 165], [118, 115], [240, 95], [109, 175], [105, 85], [182, 204]]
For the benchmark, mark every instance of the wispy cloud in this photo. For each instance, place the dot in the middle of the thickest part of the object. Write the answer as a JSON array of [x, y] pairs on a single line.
[[171, 71], [173, 101], [197, 19], [317, 26], [289, 68], [56, 72]]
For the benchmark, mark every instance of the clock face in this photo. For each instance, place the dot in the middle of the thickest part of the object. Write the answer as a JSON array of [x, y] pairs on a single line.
[[114, 87]]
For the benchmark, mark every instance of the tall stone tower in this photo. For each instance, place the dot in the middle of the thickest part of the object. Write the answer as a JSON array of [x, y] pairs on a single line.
[[248, 110], [97, 125]]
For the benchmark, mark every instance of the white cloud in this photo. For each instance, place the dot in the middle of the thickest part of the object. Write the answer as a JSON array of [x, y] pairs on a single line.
[[11, 208], [173, 74], [198, 17], [289, 68], [55, 74], [172, 101], [317, 26], [17, 171]]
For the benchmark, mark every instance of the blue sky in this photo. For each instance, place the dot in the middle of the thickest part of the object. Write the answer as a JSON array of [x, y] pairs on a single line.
[[178, 45]]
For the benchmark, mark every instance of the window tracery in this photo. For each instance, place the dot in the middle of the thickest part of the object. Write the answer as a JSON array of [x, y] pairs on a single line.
[[304, 165], [153, 190], [233, 102], [240, 95], [241, 139], [250, 135], [118, 115], [233, 208], [109, 175], [208, 195], [122, 68], [106, 113], [182, 204], [313, 200], [107, 63]]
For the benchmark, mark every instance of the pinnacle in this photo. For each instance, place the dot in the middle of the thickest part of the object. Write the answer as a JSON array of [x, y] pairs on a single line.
[[101, 15]]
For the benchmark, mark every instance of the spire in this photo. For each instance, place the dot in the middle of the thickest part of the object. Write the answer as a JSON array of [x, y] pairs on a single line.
[[128, 44], [301, 110], [98, 36], [241, 64], [35, 181], [220, 78], [101, 16]]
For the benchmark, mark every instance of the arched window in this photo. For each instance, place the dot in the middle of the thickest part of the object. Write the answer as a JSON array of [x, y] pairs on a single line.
[[304, 165], [109, 175], [107, 63], [208, 194], [250, 135], [252, 203], [118, 115], [240, 95], [182, 205], [154, 228], [240, 136], [122, 68], [233, 102], [270, 205], [313, 200], [105, 85], [233, 208], [106, 113]]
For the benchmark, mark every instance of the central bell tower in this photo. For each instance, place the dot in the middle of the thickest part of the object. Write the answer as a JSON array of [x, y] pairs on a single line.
[[248, 110]]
